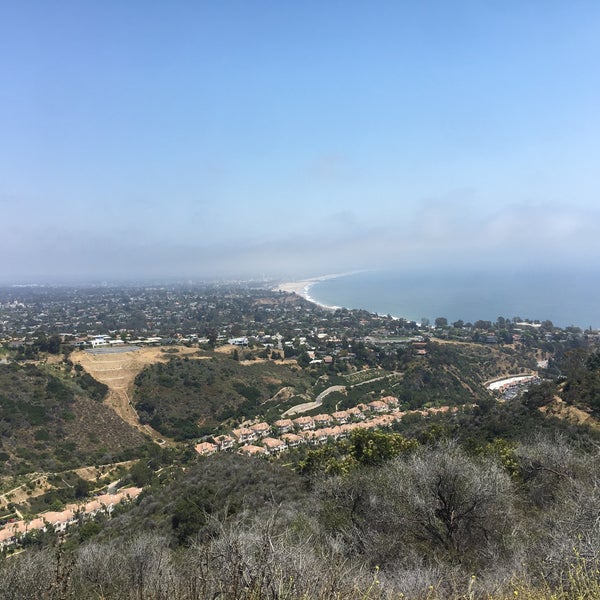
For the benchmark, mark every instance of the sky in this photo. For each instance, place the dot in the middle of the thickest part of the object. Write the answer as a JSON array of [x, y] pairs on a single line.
[[193, 139]]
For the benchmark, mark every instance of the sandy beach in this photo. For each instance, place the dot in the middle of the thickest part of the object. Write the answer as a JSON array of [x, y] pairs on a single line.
[[302, 288]]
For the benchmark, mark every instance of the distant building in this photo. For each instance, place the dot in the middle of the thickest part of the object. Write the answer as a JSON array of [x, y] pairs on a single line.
[[341, 416], [322, 420], [377, 406], [252, 450], [274, 445], [292, 440], [284, 425], [206, 448], [244, 435], [261, 429], [224, 442]]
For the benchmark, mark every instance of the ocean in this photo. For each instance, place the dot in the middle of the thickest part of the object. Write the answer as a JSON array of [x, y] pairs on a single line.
[[565, 297]]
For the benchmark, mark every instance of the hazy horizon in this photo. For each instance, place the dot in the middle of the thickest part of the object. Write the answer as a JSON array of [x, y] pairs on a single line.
[[240, 140]]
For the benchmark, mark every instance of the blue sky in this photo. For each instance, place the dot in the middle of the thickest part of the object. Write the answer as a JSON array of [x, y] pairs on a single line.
[[191, 139]]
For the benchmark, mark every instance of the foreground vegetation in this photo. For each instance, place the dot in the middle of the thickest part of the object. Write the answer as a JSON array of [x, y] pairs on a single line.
[[433, 521]]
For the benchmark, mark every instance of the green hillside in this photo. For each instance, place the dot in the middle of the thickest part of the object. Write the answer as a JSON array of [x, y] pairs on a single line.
[[184, 398], [51, 420]]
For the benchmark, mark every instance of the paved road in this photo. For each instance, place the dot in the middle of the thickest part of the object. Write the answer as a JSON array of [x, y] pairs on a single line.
[[300, 408]]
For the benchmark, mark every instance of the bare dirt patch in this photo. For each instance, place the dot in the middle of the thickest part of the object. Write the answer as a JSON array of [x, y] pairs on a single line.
[[37, 483], [227, 349], [118, 372], [560, 409]]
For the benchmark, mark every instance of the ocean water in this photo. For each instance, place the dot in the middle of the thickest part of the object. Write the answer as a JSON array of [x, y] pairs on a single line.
[[565, 297]]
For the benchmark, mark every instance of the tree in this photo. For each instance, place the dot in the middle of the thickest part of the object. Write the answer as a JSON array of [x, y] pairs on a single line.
[[438, 504], [376, 447], [212, 338], [236, 330], [441, 322], [49, 344], [461, 508], [303, 359]]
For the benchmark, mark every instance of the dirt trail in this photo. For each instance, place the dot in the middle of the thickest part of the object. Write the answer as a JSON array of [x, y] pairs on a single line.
[[118, 371], [23, 493]]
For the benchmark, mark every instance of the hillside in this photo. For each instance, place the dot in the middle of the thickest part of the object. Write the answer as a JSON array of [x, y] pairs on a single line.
[[183, 397], [117, 371], [481, 495], [51, 420]]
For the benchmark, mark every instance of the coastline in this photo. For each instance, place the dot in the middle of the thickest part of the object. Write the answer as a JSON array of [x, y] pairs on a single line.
[[302, 288], [460, 295]]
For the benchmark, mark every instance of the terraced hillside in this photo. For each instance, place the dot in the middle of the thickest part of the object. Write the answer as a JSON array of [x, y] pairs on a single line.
[[117, 370]]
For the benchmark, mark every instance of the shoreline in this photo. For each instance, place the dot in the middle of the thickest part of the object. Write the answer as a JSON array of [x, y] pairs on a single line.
[[456, 307], [302, 287]]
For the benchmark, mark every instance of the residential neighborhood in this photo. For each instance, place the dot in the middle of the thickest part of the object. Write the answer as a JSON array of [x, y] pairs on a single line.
[[60, 521], [262, 439]]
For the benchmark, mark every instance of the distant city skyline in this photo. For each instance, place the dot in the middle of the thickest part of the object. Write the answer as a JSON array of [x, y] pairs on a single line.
[[240, 139]]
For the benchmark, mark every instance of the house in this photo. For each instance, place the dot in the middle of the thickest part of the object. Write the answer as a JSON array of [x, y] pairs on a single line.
[[283, 425], [262, 429], [60, 520], [348, 428], [321, 435], [391, 401], [332, 432], [377, 406], [304, 423], [224, 442], [292, 440], [7, 536], [355, 413], [322, 420], [243, 435], [341, 416], [130, 493], [385, 420], [206, 448], [252, 450], [94, 507], [307, 435], [338, 432], [274, 445]]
